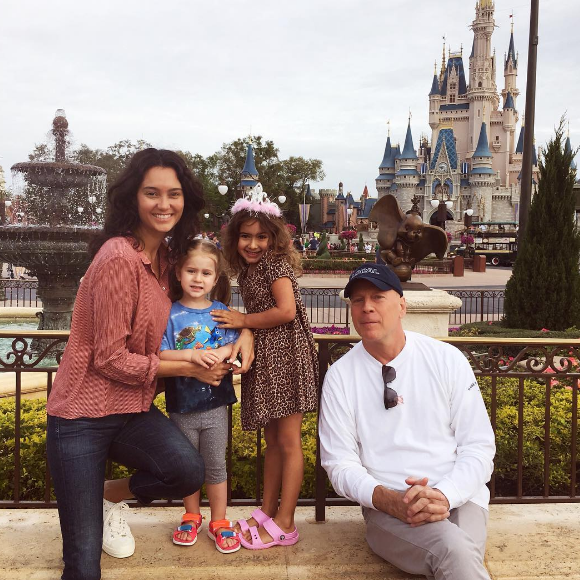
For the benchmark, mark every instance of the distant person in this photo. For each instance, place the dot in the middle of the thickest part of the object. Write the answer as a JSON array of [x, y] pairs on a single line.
[[368, 248], [100, 405], [298, 245], [282, 383], [199, 409], [404, 432], [313, 244]]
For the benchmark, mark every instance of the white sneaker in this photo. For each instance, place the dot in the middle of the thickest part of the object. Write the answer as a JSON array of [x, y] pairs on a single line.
[[117, 538]]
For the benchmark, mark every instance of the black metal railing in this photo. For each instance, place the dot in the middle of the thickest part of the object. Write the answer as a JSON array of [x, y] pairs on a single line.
[[477, 306], [19, 293], [323, 305], [530, 387]]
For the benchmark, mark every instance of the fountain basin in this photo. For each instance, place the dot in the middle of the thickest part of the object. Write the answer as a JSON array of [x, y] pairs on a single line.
[[57, 174]]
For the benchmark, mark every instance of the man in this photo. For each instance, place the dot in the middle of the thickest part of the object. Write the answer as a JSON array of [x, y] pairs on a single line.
[[405, 433]]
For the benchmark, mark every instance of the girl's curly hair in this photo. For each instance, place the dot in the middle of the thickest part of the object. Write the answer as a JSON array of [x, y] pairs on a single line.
[[275, 227]]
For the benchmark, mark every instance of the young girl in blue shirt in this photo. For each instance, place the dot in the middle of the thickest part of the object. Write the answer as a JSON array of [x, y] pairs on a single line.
[[200, 409]]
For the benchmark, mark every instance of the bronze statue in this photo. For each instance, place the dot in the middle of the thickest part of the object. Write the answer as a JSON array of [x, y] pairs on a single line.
[[404, 239]]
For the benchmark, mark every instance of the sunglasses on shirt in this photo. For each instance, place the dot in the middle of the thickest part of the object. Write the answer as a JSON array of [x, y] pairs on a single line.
[[390, 396]]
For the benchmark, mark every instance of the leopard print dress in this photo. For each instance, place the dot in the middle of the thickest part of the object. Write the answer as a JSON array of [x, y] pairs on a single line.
[[283, 378]]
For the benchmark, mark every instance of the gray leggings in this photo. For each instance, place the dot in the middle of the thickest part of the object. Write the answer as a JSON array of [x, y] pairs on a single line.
[[208, 433]]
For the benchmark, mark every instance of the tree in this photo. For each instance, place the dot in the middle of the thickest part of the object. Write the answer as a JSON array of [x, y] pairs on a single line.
[[278, 177], [544, 290]]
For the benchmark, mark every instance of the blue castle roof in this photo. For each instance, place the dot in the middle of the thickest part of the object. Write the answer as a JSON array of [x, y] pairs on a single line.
[[509, 102], [435, 86], [445, 136], [397, 152], [457, 62], [483, 144], [408, 150], [388, 161], [249, 169], [370, 201], [568, 149], [308, 194], [520, 145], [511, 55]]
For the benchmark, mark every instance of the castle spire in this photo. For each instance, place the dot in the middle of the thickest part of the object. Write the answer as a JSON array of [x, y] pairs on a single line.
[[408, 150], [511, 54], [483, 144], [249, 169]]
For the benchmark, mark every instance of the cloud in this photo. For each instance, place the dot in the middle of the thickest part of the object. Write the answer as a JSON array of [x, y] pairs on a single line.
[[320, 78]]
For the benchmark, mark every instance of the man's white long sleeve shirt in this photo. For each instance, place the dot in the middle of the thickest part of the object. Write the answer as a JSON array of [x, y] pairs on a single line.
[[440, 430]]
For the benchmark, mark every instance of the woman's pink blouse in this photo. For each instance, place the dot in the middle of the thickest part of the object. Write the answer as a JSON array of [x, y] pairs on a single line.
[[112, 356]]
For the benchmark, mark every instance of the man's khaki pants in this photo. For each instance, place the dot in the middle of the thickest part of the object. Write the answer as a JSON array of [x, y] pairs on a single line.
[[450, 549]]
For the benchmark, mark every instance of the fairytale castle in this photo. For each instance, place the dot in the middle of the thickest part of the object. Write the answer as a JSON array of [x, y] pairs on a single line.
[[473, 159]]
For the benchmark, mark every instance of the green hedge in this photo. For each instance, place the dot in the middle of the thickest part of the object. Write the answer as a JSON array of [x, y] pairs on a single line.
[[33, 429], [336, 264], [33, 456], [560, 430], [499, 330]]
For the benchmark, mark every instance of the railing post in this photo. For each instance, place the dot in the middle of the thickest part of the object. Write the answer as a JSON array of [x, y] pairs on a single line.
[[319, 473]]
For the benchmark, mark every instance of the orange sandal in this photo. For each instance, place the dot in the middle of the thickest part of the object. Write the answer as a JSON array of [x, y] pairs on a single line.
[[188, 528], [227, 531]]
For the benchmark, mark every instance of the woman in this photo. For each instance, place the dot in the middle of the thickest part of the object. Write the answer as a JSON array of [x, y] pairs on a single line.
[[100, 405]]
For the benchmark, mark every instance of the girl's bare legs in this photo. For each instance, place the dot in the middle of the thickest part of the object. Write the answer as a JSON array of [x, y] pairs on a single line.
[[217, 494], [191, 505], [272, 470], [289, 446], [272, 475]]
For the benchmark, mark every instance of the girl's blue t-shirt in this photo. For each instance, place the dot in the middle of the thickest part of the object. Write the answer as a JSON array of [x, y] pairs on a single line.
[[189, 328]]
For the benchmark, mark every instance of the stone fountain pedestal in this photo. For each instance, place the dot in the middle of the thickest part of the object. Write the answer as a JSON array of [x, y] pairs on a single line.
[[428, 310]]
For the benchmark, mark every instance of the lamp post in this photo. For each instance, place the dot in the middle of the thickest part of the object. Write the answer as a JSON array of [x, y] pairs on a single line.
[[442, 207]]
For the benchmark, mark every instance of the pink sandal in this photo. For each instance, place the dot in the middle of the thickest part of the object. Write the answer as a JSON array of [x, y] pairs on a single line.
[[258, 515], [188, 528], [280, 537]]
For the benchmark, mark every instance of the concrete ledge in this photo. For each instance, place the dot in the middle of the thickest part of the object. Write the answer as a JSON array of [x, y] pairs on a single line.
[[525, 542], [19, 312]]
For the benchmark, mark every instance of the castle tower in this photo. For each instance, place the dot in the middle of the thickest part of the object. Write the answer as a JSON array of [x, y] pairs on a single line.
[[434, 103], [340, 204], [326, 198], [406, 175], [386, 170], [482, 93], [482, 176], [249, 175], [567, 149], [510, 73]]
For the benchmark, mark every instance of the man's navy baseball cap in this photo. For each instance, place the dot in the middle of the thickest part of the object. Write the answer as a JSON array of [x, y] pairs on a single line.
[[380, 275]]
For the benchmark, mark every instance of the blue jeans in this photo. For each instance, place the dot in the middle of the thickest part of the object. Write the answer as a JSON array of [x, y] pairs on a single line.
[[77, 449]]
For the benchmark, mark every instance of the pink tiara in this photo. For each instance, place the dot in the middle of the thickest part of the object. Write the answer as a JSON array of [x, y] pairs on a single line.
[[256, 201]]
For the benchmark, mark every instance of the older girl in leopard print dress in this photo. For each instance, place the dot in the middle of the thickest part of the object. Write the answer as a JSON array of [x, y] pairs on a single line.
[[282, 383]]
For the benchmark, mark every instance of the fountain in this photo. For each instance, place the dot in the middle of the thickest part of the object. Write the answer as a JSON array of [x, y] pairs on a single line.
[[53, 229]]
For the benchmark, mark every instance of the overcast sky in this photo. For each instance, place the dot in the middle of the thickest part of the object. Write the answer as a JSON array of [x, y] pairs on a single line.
[[320, 78]]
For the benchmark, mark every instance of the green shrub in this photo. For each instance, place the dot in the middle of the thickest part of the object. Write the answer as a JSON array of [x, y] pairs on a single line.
[[506, 459], [500, 330], [33, 452], [333, 264], [33, 456]]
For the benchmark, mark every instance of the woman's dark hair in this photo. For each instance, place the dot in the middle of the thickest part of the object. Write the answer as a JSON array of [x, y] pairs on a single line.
[[122, 215], [221, 291], [275, 227]]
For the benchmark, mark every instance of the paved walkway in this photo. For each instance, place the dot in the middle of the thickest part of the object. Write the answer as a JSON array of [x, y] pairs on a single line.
[[525, 542]]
